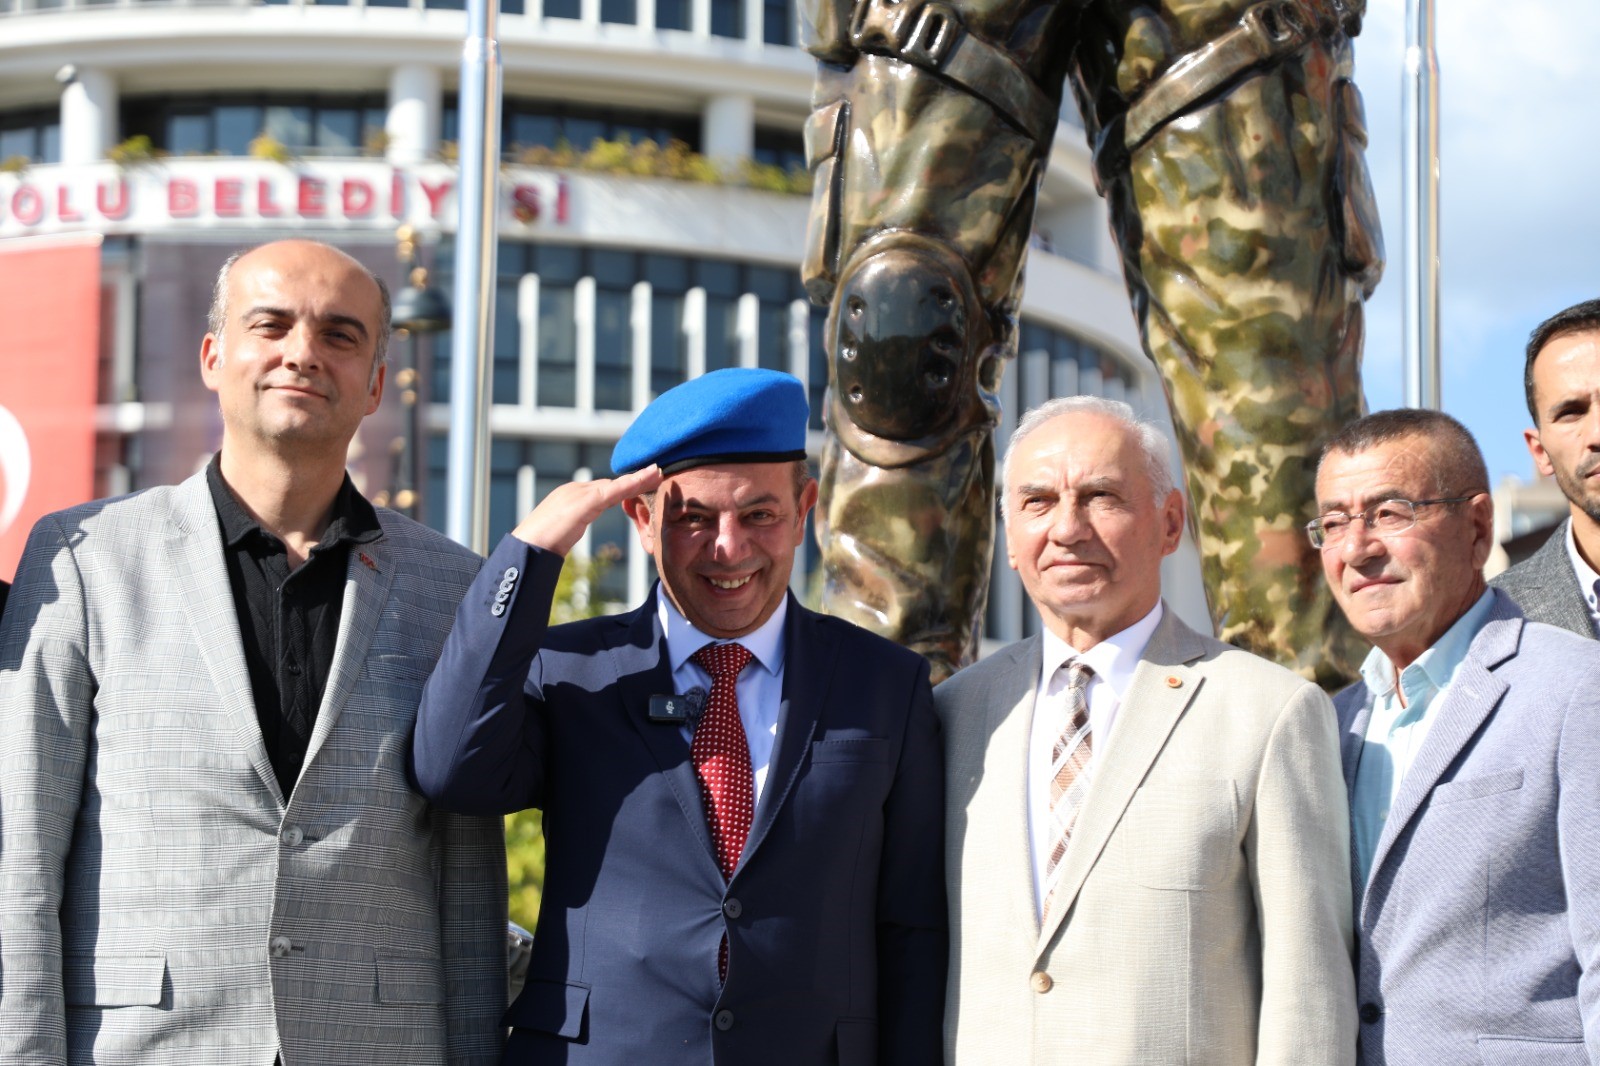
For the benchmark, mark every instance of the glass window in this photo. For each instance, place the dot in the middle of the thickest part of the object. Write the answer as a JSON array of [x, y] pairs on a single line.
[[289, 125], [618, 11], [18, 142], [530, 130], [777, 22], [339, 130], [613, 350], [727, 18], [507, 343], [50, 143], [563, 9], [581, 133], [672, 14], [188, 134], [236, 126], [558, 346]]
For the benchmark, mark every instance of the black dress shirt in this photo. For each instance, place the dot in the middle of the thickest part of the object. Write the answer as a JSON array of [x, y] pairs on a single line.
[[289, 620]]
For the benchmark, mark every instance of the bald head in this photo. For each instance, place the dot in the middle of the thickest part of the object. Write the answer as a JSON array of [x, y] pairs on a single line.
[[292, 251]]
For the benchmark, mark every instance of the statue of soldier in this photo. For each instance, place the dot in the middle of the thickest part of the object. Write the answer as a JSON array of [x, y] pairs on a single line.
[[1227, 138]]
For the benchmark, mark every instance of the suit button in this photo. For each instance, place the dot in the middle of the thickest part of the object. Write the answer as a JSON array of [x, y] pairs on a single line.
[[1370, 1013], [732, 908], [293, 835], [724, 1020], [281, 947], [1041, 982]]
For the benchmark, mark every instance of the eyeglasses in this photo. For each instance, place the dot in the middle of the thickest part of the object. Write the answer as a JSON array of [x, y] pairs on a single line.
[[1384, 519]]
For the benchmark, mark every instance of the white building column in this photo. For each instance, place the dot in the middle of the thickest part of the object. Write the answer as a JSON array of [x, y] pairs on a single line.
[[413, 122], [728, 128], [88, 114]]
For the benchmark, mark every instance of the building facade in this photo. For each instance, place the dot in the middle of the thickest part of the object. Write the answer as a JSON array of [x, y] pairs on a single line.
[[652, 214]]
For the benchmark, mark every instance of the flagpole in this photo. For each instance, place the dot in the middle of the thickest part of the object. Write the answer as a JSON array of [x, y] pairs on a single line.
[[472, 340], [1420, 207]]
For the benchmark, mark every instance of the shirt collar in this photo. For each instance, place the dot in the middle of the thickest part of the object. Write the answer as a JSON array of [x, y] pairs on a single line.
[[683, 639], [1113, 660], [353, 519], [1436, 667], [1588, 580]]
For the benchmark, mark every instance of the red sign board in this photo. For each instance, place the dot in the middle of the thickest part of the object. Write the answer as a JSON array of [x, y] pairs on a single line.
[[49, 358]]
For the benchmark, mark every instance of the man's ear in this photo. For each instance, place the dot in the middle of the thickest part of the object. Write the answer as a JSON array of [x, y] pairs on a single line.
[[210, 360], [638, 510], [1541, 459], [1172, 522]]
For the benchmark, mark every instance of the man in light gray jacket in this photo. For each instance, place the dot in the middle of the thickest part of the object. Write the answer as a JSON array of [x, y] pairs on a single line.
[[1472, 757], [209, 852]]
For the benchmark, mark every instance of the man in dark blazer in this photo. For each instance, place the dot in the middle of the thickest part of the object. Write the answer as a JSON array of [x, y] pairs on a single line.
[[1561, 376], [1472, 763], [743, 866]]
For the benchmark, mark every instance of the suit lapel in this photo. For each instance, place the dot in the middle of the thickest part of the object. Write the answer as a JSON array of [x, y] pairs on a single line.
[[366, 591], [1354, 706], [1474, 694], [1145, 719], [1559, 591], [196, 554], [638, 652], [1006, 734], [808, 661]]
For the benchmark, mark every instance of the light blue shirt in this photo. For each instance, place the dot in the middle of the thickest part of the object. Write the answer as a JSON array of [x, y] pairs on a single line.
[[760, 685], [1395, 733]]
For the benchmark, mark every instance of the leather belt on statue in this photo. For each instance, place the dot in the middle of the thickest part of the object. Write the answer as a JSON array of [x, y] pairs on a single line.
[[932, 36]]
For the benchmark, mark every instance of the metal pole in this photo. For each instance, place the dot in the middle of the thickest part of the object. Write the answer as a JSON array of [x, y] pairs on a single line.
[[1420, 207], [472, 341]]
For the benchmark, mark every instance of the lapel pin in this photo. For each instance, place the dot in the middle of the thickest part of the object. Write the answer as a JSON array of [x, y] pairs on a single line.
[[366, 561], [1174, 681]]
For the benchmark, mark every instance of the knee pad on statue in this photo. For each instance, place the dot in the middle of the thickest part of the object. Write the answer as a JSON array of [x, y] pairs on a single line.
[[908, 339]]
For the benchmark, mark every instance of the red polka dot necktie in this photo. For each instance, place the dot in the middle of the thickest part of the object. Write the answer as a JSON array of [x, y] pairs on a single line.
[[721, 756]]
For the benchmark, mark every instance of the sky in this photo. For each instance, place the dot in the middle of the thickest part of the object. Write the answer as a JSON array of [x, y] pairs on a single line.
[[1519, 144]]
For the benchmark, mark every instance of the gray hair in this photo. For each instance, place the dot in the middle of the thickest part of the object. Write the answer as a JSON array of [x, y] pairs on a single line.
[[1151, 440], [1458, 468], [217, 316]]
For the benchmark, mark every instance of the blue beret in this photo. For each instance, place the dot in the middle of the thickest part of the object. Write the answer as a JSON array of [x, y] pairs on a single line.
[[738, 415]]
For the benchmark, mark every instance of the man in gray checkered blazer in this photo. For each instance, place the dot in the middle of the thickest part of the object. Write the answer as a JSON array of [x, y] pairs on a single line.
[[209, 853]]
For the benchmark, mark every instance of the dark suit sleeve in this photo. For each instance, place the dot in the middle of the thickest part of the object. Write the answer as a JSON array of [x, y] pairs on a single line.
[[913, 933], [479, 744]]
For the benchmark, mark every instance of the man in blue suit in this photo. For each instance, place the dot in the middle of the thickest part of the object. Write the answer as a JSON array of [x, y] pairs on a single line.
[[741, 798], [1471, 750]]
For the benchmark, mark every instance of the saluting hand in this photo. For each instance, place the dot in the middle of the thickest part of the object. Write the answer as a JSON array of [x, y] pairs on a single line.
[[562, 516]]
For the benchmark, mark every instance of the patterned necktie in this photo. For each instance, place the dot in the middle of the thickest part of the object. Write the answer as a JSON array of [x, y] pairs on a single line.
[[1069, 780], [721, 756]]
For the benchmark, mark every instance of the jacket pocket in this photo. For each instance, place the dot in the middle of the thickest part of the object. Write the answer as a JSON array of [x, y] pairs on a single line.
[[413, 979], [114, 980], [857, 1041], [863, 749], [558, 1007], [1523, 1051], [1477, 787]]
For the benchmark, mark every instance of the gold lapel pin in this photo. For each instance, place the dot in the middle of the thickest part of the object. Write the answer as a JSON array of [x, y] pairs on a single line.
[[366, 561]]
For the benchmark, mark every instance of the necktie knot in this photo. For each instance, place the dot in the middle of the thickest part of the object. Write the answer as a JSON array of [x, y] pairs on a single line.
[[1079, 674], [723, 660]]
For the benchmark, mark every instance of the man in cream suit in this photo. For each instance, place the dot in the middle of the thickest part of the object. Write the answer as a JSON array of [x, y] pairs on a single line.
[[209, 853], [1147, 854], [1472, 755]]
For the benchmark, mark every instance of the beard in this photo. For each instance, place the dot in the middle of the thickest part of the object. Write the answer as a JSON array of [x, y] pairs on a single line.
[[1580, 489]]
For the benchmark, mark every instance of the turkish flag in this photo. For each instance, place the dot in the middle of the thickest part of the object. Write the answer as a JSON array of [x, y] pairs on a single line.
[[49, 363]]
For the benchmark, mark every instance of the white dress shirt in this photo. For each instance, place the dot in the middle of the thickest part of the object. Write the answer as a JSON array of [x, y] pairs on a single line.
[[1588, 580], [760, 685], [1113, 661]]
